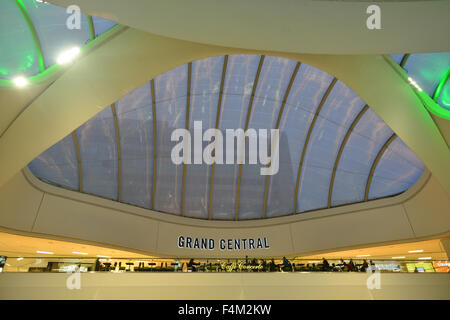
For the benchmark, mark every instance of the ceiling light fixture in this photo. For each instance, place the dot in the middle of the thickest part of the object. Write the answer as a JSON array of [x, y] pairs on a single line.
[[20, 258], [364, 255], [415, 251], [100, 256], [414, 84], [398, 257], [45, 252], [425, 258], [68, 55], [76, 252], [20, 81]]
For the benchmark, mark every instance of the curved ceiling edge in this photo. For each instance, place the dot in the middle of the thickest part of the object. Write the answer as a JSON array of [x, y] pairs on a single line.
[[399, 199], [348, 34]]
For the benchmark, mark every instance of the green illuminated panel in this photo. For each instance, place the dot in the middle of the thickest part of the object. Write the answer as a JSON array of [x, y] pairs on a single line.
[[444, 98], [52, 28], [18, 55], [442, 93]]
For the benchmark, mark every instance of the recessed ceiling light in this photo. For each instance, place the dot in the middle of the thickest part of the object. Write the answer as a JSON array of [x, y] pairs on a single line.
[[20, 258], [425, 258], [398, 257], [415, 251], [100, 256], [414, 83], [68, 55], [83, 253], [44, 252], [364, 255], [20, 81]]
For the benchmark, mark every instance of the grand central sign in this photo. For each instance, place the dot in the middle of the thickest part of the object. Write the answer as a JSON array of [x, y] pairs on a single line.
[[222, 244]]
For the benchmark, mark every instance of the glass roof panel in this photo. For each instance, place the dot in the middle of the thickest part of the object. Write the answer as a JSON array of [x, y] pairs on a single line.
[[54, 35], [398, 57], [102, 25], [17, 50], [98, 149], [444, 97], [307, 90], [360, 151], [338, 112], [205, 87], [170, 96], [241, 72], [58, 164], [398, 169], [135, 122], [427, 69], [273, 81]]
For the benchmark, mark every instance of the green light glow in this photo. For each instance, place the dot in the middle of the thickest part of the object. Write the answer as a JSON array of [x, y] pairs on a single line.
[[51, 71], [441, 85], [444, 96], [33, 32], [432, 106]]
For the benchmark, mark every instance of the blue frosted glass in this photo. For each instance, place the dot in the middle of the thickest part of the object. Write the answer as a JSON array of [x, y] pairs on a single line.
[[205, 87], [427, 69], [273, 81], [97, 141], [17, 51], [171, 85], [101, 25], [135, 121], [58, 164], [307, 90], [398, 169], [362, 147], [274, 78], [241, 71], [397, 57], [313, 188], [170, 96], [336, 116], [239, 79], [53, 33], [233, 114]]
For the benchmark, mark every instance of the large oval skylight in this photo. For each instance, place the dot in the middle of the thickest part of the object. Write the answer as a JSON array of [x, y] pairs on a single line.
[[333, 149]]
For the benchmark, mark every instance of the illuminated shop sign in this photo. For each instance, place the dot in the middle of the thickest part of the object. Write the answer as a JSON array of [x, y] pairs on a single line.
[[388, 267], [223, 244]]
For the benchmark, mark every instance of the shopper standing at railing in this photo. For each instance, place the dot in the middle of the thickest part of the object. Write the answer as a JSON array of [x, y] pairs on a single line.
[[364, 266], [351, 265], [326, 265]]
